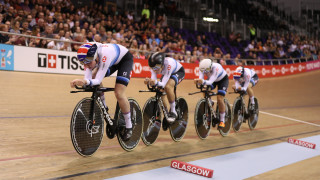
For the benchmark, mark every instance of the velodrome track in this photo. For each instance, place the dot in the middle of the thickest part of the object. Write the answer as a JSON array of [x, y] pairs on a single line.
[[35, 111]]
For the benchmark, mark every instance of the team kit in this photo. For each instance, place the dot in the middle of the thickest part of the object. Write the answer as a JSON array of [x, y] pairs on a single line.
[[165, 109]]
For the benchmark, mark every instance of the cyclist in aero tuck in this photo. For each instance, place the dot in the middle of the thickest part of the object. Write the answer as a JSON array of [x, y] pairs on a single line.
[[245, 79], [216, 76], [172, 74], [101, 60]]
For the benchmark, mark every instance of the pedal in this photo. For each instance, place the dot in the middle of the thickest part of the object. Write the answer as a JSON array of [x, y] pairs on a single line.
[[111, 130], [165, 124]]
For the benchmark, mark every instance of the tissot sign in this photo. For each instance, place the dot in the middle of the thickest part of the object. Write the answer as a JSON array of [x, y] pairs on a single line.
[[46, 60], [55, 61]]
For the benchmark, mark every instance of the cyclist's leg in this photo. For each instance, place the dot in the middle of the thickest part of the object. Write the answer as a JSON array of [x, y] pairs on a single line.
[[174, 80], [222, 90], [123, 103], [123, 77], [169, 89], [253, 82]]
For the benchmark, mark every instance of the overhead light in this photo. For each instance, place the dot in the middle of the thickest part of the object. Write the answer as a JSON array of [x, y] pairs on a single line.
[[210, 19]]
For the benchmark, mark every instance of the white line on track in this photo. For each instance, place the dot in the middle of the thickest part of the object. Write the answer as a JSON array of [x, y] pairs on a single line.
[[291, 119]]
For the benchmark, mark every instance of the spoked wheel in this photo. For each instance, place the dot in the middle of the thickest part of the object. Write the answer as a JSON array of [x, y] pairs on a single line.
[[253, 119], [238, 115], [86, 133], [227, 120], [179, 127], [202, 119], [137, 125], [151, 121]]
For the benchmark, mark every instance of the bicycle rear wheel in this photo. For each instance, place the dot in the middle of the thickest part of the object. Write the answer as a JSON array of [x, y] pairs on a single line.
[[137, 125], [179, 127], [253, 119], [151, 121], [238, 115], [86, 133], [228, 121], [202, 119]]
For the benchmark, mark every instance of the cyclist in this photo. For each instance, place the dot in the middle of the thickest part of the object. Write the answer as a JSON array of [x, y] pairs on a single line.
[[217, 76], [172, 74], [245, 79], [101, 60]]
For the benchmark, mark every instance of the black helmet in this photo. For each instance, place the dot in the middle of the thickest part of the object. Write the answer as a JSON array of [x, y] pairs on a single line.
[[156, 59]]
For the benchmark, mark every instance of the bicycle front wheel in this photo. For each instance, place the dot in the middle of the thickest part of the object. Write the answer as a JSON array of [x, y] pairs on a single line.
[[137, 125], [179, 127], [86, 133], [228, 114], [253, 119], [152, 121], [202, 119], [238, 115]]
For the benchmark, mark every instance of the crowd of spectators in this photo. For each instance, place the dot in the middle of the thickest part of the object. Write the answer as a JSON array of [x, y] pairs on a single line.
[[142, 34]]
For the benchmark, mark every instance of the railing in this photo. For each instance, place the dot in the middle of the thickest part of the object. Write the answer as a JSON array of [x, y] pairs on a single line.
[[185, 57]]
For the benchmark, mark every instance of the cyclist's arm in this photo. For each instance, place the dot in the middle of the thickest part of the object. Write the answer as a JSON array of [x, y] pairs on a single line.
[[246, 83], [212, 78], [201, 76], [153, 76], [237, 84], [166, 77], [103, 68]]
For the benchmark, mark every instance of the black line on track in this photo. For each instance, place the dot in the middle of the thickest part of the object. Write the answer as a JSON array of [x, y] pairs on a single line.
[[177, 156]]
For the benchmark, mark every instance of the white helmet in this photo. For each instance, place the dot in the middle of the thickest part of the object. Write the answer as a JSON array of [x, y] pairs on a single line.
[[205, 65]]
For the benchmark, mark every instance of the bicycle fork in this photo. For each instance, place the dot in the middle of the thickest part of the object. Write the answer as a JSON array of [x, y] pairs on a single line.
[[212, 114]]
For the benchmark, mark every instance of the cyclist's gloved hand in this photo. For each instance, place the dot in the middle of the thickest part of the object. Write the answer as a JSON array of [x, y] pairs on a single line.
[[146, 81]]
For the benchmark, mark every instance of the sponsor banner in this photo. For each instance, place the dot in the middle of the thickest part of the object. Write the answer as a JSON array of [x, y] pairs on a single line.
[[191, 168], [7, 57], [141, 69], [46, 60], [20, 58], [301, 143]]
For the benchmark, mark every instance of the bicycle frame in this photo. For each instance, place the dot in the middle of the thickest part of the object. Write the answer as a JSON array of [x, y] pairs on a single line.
[[208, 93], [95, 90], [244, 110], [159, 99]]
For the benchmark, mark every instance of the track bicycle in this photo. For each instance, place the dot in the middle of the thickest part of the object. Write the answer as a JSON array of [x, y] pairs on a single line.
[[241, 113], [156, 114], [205, 115], [87, 122]]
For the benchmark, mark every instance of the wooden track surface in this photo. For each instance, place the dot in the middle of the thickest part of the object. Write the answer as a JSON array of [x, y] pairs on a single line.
[[35, 111]]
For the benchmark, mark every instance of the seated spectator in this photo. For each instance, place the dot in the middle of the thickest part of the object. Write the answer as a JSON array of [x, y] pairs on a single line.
[[251, 55], [250, 47], [238, 60], [16, 27], [4, 38]]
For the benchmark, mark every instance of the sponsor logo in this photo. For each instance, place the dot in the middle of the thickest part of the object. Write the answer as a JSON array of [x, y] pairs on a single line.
[[54, 61], [313, 65], [169, 67], [228, 71], [104, 59], [7, 57], [263, 71], [301, 143], [137, 68], [196, 71], [274, 71], [191, 168]]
